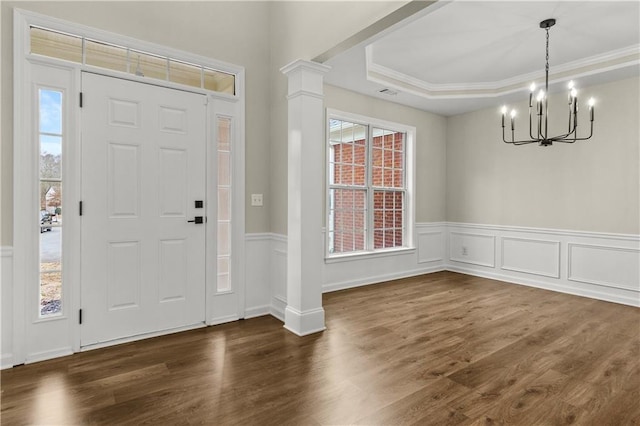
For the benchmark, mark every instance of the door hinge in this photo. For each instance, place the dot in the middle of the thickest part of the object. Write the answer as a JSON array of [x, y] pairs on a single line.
[[80, 316], [80, 208], [80, 99]]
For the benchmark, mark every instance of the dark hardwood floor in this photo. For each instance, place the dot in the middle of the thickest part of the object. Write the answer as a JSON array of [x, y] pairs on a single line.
[[438, 349]]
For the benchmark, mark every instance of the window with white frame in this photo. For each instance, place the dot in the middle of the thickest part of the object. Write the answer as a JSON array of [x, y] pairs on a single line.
[[368, 197]]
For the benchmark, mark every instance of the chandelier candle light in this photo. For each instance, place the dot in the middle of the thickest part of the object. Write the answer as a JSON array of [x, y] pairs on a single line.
[[542, 110]]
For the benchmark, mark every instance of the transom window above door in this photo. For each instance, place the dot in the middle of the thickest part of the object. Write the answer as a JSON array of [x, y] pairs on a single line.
[[102, 54]]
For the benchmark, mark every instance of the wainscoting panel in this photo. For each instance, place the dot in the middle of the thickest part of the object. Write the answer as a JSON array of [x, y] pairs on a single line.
[[597, 265], [431, 245], [278, 275], [616, 267], [257, 290], [6, 305], [536, 257], [429, 257], [472, 248]]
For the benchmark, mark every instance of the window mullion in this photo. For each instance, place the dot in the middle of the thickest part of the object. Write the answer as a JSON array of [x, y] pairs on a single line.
[[369, 191]]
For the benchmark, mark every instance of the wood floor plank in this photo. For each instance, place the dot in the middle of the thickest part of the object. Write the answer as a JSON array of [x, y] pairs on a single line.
[[442, 348]]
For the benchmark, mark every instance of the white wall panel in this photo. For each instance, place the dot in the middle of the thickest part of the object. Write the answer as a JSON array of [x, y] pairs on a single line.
[[472, 248], [602, 265], [537, 257], [6, 304], [431, 246], [596, 265], [258, 265]]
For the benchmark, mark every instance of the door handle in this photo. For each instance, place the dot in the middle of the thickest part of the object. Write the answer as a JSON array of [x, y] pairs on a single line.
[[197, 219]]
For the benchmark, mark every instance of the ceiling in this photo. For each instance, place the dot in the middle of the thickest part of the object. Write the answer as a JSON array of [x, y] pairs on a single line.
[[458, 56]]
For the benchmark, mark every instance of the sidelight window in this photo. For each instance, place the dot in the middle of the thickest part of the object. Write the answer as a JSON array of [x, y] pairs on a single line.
[[50, 137]]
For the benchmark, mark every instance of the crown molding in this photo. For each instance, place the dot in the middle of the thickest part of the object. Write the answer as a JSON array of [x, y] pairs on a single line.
[[616, 59]]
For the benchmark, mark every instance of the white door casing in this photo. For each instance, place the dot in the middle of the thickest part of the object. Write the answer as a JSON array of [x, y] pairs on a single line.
[[143, 168], [33, 338]]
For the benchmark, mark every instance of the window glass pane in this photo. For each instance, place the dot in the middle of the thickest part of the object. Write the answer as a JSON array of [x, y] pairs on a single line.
[[50, 249], [347, 220], [224, 281], [388, 159], [50, 113], [50, 209], [180, 72], [224, 177], [224, 205], [223, 239], [105, 55], [146, 65], [56, 45], [50, 164], [219, 81], [224, 134], [388, 214]]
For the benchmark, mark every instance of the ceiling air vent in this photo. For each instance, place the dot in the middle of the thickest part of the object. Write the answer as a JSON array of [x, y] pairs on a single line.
[[388, 92]]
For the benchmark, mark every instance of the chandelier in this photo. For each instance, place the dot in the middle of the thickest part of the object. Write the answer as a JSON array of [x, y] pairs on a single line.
[[539, 133]]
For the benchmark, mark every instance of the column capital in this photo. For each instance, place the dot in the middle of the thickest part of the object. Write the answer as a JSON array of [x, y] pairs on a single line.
[[305, 77]]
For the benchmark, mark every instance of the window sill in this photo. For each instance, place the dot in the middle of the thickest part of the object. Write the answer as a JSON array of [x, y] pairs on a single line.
[[336, 258]]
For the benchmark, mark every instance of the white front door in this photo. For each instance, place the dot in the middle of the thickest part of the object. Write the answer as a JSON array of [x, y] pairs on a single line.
[[143, 172]]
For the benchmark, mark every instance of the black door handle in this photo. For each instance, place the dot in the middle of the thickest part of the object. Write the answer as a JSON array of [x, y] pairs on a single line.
[[197, 219]]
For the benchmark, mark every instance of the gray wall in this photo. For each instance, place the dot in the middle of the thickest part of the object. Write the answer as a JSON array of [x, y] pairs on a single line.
[[592, 185]]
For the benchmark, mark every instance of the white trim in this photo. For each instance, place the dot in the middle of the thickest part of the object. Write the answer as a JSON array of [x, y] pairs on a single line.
[[409, 187], [304, 323], [278, 305], [50, 354], [572, 277], [307, 65], [6, 307], [456, 258], [31, 18], [328, 288], [24, 247], [580, 68], [552, 231], [359, 255], [257, 311], [555, 274], [142, 337]]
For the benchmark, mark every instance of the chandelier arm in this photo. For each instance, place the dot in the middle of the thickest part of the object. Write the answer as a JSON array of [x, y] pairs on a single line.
[[577, 138], [530, 124]]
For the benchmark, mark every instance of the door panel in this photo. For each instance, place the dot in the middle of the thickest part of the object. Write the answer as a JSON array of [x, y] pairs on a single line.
[[143, 166]]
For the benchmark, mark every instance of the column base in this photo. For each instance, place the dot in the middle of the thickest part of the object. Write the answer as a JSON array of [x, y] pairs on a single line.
[[304, 323]]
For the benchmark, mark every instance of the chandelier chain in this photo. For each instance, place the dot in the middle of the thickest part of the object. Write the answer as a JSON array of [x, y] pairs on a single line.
[[546, 68]]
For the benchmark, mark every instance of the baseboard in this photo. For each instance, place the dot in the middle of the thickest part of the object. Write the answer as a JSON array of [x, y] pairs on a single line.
[[6, 361], [278, 305], [304, 323], [257, 311], [380, 278], [45, 355], [559, 287], [223, 319]]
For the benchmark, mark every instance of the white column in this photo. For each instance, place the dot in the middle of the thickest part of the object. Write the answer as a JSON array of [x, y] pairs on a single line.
[[306, 150]]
